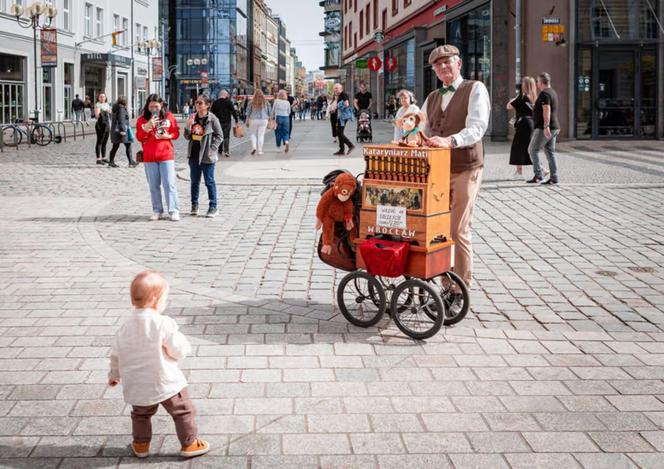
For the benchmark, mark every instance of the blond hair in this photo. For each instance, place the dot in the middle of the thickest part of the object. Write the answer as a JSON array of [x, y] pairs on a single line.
[[282, 94], [147, 288], [259, 99], [529, 89]]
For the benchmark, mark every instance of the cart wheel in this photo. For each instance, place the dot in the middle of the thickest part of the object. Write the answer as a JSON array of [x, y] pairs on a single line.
[[361, 299], [417, 309], [457, 300], [390, 284]]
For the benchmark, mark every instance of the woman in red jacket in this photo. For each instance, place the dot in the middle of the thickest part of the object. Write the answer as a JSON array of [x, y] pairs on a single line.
[[156, 129]]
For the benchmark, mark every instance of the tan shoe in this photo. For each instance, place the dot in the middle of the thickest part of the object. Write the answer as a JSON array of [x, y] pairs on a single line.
[[141, 450], [197, 448]]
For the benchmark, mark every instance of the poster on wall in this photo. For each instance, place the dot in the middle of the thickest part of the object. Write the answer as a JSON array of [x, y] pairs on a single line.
[[49, 47], [157, 69]]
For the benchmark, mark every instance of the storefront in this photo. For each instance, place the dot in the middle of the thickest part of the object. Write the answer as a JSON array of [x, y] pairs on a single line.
[[399, 66], [617, 69], [12, 88]]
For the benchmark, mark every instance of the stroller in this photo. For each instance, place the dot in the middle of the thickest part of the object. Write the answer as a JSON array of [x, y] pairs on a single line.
[[364, 132]]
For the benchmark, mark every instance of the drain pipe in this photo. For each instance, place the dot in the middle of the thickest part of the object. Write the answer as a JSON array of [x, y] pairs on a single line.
[[517, 45]]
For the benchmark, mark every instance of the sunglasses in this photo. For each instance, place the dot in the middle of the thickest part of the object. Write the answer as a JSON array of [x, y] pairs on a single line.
[[201, 102]]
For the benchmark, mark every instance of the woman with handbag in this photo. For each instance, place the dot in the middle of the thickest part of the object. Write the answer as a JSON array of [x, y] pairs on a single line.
[[121, 132], [281, 113], [258, 114], [523, 124], [344, 115], [204, 133], [156, 129]]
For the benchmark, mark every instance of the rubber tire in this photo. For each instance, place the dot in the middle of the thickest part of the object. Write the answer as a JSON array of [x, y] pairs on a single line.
[[417, 285], [374, 287], [41, 131], [451, 320]]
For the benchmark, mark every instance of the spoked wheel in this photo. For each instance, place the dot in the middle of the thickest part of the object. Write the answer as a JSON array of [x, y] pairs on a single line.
[[454, 293], [42, 135], [11, 136], [361, 299], [389, 285], [417, 309]]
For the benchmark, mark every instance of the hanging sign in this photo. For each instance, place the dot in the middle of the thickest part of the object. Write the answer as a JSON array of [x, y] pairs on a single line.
[[49, 47], [391, 64], [157, 69], [374, 64], [361, 63], [552, 29]]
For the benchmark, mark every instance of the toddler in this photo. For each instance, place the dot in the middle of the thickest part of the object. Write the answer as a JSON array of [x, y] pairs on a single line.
[[144, 356]]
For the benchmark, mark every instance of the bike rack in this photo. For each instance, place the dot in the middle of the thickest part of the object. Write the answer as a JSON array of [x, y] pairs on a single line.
[[74, 125], [62, 132]]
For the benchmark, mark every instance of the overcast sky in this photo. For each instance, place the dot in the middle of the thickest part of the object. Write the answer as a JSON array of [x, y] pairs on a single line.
[[304, 20]]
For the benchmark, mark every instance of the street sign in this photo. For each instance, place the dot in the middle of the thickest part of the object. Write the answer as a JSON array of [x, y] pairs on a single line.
[[361, 63], [374, 64], [379, 37], [391, 64]]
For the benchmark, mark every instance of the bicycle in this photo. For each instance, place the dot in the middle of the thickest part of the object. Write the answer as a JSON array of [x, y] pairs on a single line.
[[40, 134]]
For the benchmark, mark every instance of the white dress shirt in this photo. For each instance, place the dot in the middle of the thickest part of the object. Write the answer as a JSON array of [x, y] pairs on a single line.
[[144, 356], [477, 121]]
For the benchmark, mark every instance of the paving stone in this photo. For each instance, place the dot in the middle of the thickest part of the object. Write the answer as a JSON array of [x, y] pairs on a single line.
[[542, 461], [316, 444], [424, 461], [478, 461], [543, 442]]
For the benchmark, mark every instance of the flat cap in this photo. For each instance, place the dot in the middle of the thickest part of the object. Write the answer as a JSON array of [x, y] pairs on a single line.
[[448, 50]]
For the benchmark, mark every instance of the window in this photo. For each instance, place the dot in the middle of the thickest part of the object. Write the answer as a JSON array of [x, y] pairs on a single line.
[[125, 28], [116, 22], [65, 14], [138, 34], [88, 20], [354, 5], [406, 3], [375, 14], [100, 22], [367, 16], [361, 28], [355, 40], [395, 7], [145, 33], [384, 20]]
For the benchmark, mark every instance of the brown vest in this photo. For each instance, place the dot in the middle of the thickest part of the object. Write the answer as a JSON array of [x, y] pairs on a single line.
[[451, 121]]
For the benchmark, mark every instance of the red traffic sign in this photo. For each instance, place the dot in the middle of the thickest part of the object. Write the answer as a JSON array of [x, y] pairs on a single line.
[[391, 64], [374, 64]]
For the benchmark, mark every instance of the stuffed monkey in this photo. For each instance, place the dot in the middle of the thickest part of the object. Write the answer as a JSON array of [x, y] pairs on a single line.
[[410, 124], [335, 206]]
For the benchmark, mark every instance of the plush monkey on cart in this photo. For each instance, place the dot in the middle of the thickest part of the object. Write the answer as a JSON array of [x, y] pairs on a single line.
[[335, 206], [411, 135]]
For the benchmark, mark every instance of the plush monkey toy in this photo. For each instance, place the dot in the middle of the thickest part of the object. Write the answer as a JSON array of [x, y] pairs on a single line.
[[411, 135], [335, 206]]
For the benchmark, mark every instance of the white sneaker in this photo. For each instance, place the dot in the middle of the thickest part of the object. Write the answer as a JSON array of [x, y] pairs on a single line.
[[155, 216], [260, 152], [545, 172], [175, 216]]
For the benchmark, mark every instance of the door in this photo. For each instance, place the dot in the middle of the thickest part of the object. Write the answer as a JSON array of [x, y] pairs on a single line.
[[616, 93], [47, 111]]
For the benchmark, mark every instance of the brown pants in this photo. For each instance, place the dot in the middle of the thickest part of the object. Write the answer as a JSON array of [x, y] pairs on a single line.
[[181, 409], [463, 193]]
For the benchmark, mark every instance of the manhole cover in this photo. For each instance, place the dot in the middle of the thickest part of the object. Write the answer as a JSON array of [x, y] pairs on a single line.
[[642, 270], [606, 273]]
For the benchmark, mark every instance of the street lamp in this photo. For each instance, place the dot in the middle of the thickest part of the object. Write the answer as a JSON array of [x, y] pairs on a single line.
[[33, 12], [148, 46]]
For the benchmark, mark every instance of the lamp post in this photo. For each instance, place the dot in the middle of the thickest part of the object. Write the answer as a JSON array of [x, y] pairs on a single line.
[[148, 47], [33, 14]]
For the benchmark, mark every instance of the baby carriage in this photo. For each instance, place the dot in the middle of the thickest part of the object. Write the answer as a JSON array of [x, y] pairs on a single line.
[[364, 132]]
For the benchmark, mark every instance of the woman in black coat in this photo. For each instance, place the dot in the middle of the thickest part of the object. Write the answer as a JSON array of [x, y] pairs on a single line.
[[121, 132], [523, 124]]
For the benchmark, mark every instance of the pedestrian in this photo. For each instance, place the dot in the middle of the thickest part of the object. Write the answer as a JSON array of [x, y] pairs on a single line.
[[156, 129], [121, 132], [87, 110], [391, 107], [281, 112], [77, 107], [204, 133], [457, 116], [344, 115], [224, 110], [362, 99], [332, 112], [545, 130], [258, 113], [523, 124], [407, 106], [291, 101], [185, 110], [102, 127], [319, 106], [144, 357]]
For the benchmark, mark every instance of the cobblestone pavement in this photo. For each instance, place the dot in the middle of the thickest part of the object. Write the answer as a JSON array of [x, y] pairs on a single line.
[[559, 364]]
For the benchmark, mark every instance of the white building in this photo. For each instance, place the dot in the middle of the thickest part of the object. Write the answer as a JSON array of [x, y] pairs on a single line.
[[87, 61]]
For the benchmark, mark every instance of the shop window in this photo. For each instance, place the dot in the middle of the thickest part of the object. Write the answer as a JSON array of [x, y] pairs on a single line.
[[617, 20], [11, 67], [471, 33]]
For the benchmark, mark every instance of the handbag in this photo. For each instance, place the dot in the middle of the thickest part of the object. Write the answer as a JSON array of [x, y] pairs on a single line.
[[130, 134], [272, 124], [238, 131], [139, 156]]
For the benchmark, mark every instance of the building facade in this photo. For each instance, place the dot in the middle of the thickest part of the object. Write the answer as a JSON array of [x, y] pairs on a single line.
[[606, 57], [333, 21], [88, 63]]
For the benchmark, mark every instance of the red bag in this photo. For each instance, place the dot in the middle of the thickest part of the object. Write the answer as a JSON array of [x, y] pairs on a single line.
[[385, 258]]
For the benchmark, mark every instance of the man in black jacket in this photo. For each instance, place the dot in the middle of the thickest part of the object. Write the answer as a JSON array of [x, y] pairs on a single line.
[[223, 108], [77, 107]]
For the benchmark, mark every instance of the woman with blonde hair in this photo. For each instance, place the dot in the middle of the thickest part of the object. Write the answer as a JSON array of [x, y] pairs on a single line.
[[523, 124], [258, 113], [281, 111]]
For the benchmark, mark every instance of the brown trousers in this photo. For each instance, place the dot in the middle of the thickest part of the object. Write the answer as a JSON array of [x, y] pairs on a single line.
[[464, 188], [179, 407]]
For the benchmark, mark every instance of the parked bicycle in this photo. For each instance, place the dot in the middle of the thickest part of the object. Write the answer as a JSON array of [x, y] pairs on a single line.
[[39, 134]]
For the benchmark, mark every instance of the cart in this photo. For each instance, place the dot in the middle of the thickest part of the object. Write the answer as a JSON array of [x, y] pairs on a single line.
[[404, 206]]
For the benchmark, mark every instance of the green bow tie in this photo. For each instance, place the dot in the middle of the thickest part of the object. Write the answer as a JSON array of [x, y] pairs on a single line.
[[444, 89]]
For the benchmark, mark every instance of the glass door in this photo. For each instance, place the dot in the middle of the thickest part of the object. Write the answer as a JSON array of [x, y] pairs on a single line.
[[616, 93]]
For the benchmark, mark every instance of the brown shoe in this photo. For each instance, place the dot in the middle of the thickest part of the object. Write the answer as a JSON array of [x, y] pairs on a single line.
[[197, 448], [286, 149], [141, 450], [350, 150]]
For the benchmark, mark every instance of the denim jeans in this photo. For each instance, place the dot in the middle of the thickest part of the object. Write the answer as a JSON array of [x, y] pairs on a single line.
[[207, 170], [538, 142], [162, 174], [283, 130]]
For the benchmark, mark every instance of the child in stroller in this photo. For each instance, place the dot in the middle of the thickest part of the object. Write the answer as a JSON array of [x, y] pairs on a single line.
[[364, 132]]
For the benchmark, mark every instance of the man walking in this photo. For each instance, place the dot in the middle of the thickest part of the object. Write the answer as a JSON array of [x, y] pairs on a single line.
[[457, 118], [77, 106], [545, 130], [223, 108]]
